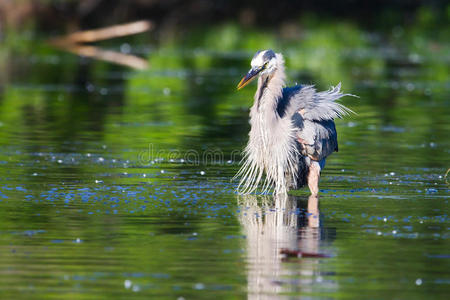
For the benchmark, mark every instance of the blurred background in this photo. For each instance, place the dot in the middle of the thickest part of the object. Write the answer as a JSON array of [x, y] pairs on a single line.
[[396, 51], [87, 209]]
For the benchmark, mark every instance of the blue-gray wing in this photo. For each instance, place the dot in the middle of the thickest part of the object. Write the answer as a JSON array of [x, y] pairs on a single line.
[[316, 139], [322, 142], [313, 116], [312, 105]]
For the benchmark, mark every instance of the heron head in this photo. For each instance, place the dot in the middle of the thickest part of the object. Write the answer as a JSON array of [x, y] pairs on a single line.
[[263, 62]]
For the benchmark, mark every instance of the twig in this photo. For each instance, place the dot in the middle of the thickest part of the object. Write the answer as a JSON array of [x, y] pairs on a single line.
[[89, 36], [73, 43], [300, 254], [132, 61]]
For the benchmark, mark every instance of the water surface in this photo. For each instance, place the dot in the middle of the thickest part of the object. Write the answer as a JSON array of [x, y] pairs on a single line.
[[117, 183]]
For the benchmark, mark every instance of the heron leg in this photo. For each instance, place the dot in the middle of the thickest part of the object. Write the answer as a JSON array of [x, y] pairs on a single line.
[[313, 177]]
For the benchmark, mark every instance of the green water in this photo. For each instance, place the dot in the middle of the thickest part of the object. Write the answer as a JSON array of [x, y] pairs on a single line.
[[116, 183]]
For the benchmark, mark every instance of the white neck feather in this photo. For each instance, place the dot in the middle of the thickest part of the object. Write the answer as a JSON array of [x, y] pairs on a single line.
[[270, 148]]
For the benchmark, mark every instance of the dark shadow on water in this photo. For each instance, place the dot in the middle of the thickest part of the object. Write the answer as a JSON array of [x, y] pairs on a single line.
[[276, 223]]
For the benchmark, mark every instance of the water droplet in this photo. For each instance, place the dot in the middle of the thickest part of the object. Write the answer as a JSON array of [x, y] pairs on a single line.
[[125, 48], [199, 286], [418, 281], [127, 283], [414, 57], [90, 87], [136, 288]]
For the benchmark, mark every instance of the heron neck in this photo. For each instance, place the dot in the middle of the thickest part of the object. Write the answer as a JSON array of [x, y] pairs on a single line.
[[270, 89]]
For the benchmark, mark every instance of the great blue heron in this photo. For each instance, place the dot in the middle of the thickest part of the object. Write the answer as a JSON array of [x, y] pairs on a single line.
[[292, 129]]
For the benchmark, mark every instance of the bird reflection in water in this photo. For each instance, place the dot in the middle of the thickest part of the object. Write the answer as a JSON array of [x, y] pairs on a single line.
[[277, 227]]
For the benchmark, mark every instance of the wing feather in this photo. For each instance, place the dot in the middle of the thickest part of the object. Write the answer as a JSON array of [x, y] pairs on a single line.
[[313, 113], [313, 105], [318, 139]]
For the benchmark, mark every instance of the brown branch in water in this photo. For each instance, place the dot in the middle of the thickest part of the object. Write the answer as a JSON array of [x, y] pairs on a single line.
[[131, 61], [89, 36], [73, 43], [300, 254]]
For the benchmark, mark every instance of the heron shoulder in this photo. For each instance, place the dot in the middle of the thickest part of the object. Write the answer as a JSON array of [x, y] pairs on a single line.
[[288, 95]]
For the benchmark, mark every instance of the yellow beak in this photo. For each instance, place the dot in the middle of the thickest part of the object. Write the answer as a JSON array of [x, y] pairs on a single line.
[[248, 78]]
